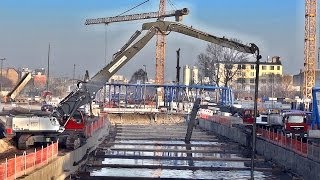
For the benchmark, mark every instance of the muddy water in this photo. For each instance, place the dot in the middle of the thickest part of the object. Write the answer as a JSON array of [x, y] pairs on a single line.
[[204, 154]]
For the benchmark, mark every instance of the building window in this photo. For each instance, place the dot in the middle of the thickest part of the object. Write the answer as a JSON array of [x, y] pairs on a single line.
[[252, 80], [271, 67], [264, 67], [239, 66], [252, 73], [252, 66], [243, 66], [241, 80], [278, 67]]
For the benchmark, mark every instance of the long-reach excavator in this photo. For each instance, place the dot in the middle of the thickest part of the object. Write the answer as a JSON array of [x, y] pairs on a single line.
[[63, 122]]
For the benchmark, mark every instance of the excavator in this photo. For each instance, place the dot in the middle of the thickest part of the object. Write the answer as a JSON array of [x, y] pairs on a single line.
[[66, 122]]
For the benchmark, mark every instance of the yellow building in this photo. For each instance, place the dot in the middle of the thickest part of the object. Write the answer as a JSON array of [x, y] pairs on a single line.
[[245, 76]]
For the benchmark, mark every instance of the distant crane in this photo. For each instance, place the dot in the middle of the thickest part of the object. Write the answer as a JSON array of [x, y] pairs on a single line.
[[161, 41], [309, 72]]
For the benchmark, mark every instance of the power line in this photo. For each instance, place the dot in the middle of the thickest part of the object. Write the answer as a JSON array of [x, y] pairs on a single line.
[[133, 7]]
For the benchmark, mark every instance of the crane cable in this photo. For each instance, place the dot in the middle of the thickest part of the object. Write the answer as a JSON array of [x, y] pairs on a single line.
[[133, 7], [172, 5], [106, 44]]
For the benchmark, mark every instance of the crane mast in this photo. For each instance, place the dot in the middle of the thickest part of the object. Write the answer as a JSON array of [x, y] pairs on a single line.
[[160, 48], [309, 73]]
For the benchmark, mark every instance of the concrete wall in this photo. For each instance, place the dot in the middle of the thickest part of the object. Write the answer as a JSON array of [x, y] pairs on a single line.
[[239, 135], [68, 163], [307, 168]]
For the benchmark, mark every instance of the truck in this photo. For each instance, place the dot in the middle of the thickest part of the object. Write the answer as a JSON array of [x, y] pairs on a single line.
[[289, 122], [66, 122], [295, 123], [266, 118]]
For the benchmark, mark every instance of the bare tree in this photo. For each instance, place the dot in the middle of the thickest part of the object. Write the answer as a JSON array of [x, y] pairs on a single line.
[[285, 88], [218, 63], [276, 85]]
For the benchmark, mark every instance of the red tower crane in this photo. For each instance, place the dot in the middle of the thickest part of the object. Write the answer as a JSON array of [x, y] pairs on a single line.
[[309, 48]]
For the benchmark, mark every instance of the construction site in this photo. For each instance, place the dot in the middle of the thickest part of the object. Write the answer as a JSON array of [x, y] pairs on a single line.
[[223, 109]]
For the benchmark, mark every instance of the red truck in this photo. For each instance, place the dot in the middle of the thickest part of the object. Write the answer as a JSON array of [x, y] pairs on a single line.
[[295, 123]]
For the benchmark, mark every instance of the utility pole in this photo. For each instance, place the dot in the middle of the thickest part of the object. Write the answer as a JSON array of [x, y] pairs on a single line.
[[254, 125], [1, 74], [48, 68], [145, 86], [178, 67], [74, 74], [178, 75]]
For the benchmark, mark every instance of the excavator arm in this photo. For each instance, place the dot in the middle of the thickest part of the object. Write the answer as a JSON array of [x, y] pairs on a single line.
[[166, 26], [86, 91]]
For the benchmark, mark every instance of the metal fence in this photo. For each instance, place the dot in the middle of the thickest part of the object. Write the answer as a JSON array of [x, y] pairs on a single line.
[[296, 145], [26, 163], [307, 149], [93, 126]]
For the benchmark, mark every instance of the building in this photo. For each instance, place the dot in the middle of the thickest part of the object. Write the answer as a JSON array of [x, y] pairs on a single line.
[[195, 75], [269, 72], [243, 74], [190, 75], [39, 80], [12, 75], [298, 79], [118, 79], [186, 75]]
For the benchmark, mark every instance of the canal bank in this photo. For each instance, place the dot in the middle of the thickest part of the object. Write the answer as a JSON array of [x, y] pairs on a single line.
[[68, 163], [283, 156]]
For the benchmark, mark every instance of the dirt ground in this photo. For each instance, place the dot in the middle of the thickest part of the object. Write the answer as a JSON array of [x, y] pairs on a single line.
[[5, 145]]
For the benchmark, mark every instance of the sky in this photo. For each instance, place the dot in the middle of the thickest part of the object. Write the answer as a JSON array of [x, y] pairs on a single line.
[[27, 28]]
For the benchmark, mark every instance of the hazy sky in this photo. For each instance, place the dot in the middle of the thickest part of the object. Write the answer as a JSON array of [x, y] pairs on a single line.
[[276, 26]]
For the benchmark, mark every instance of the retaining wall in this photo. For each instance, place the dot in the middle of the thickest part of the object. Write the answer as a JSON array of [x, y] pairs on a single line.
[[70, 162], [290, 160]]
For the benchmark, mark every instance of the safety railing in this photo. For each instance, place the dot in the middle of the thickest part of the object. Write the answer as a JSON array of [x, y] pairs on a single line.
[[307, 149], [94, 126], [296, 145], [27, 162]]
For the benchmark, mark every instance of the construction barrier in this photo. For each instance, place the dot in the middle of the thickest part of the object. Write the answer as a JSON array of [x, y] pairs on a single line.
[[26, 163], [224, 120], [93, 126], [282, 140]]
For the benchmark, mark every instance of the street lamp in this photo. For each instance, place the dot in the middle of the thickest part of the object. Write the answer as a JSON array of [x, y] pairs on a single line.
[[1, 74], [145, 87]]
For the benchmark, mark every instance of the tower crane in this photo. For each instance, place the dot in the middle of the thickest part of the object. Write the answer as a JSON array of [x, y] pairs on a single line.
[[161, 41], [309, 72]]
